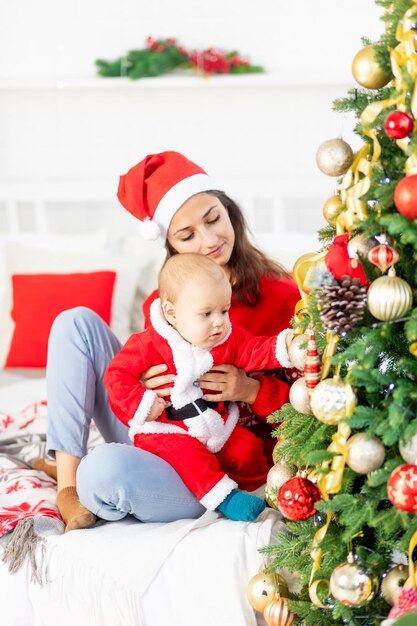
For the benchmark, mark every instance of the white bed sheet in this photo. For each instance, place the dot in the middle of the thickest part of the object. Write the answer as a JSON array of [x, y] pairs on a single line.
[[186, 573]]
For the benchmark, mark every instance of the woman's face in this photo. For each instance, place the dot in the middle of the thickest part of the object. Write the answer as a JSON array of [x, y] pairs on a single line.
[[202, 225]]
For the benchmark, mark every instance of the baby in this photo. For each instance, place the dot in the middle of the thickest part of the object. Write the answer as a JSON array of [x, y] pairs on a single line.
[[190, 332]]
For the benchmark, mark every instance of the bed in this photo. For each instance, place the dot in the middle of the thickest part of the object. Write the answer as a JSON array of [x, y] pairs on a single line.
[[184, 573]]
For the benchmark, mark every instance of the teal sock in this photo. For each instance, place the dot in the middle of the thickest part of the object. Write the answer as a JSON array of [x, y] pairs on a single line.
[[241, 507]]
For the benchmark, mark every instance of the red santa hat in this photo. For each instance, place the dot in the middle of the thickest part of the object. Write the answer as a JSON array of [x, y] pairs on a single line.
[[154, 189]]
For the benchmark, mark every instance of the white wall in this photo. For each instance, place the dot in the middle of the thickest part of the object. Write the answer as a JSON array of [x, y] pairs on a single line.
[[60, 125]]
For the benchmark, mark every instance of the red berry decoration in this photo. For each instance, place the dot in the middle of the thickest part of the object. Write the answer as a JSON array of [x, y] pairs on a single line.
[[405, 197], [398, 125], [296, 499], [402, 488]]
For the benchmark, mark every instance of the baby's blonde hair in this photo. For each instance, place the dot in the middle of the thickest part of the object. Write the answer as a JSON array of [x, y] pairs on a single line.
[[180, 269]]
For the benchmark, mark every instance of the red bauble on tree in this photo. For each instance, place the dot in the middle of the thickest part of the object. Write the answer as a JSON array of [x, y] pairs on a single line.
[[402, 488], [405, 197], [296, 498], [398, 125]]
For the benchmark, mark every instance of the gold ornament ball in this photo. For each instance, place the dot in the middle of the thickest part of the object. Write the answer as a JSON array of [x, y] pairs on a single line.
[[365, 455], [351, 585], [271, 495], [334, 157], [409, 450], [393, 582], [297, 351], [279, 474], [359, 246], [330, 208], [299, 397], [263, 588], [277, 613], [367, 71], [389, 297], [329, 400]]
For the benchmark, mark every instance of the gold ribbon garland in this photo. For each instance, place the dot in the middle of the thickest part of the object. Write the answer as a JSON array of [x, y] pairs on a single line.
[[412, 566]]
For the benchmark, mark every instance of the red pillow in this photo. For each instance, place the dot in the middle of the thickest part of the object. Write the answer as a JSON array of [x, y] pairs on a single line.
[[39, 298]]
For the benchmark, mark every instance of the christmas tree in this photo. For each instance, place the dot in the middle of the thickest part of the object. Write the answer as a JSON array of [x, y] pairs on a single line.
[[345, 473]]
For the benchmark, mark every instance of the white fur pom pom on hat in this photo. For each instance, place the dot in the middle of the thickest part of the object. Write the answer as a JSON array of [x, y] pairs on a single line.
[[149, 230]]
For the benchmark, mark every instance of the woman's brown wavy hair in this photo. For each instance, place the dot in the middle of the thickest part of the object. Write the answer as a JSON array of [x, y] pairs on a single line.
[[247, 264]]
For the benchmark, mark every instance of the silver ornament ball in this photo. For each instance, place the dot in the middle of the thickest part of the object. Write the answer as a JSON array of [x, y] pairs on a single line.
[[334, 157], [352, 585], [365, 455], [360, 245], [299, 397], [297, 351], [409, 450]]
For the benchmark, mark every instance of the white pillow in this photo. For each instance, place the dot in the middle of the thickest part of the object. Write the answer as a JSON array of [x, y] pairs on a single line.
[[22, 258]]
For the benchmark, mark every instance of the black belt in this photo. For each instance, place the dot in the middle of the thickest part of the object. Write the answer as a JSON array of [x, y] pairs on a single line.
[[191, 410]]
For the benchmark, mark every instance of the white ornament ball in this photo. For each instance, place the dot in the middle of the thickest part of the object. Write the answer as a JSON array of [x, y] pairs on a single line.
[[409, 450], [365, 455], [297, 351], [299, 397], [279, 474]]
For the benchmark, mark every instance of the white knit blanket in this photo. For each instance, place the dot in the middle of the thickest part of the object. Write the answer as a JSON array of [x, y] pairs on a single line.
[[131, 574]]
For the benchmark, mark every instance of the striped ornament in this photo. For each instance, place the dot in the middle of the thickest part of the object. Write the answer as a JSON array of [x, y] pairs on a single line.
[[383, 256], [312, 365]]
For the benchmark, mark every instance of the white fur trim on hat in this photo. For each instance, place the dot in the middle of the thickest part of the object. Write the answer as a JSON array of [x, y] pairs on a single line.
[[142, 412], [218, 493], [281, 351], [176, 196]]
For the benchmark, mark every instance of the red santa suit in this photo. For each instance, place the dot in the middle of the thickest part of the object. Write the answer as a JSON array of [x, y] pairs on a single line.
[[205, 441]]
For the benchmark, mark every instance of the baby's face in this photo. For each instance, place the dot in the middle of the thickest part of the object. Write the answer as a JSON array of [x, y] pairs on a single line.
[[201, 311]]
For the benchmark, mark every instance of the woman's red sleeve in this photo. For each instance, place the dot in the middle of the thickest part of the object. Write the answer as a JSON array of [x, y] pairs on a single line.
[[273, 393]]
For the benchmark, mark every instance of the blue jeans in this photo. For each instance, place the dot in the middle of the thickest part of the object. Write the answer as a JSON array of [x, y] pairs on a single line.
[[114, 479]]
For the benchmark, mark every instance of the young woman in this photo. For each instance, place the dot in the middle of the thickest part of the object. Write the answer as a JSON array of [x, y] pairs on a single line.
[[178, 204]]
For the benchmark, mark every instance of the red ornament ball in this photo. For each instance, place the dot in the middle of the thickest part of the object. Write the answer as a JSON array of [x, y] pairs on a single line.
[[296, 499], [405, 197], [398, 125], [402, 488]]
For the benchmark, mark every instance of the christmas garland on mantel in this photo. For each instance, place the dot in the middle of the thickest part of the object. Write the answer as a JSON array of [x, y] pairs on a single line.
[[164, 55]]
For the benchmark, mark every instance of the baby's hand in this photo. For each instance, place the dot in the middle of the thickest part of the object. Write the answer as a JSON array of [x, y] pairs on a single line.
[[156, 409]]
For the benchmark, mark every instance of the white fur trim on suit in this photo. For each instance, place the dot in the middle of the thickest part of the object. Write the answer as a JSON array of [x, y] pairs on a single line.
[[177, 195], [191, 362], [281, 351], [142, 412], [218, 493]]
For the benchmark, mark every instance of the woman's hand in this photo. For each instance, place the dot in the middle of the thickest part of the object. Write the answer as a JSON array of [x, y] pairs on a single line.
[[153, 378], [229, 383], [156, 410]]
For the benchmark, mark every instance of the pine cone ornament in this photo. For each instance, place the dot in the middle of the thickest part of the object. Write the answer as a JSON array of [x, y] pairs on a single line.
[[342, 305]]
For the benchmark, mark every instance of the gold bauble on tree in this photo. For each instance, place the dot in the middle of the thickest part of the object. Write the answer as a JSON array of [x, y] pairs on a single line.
[[393, 582], [331, 208], [367, 71], [332, 400], [389, 297], [364, 454], [278, 614], [263, 588], [334, 157]]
